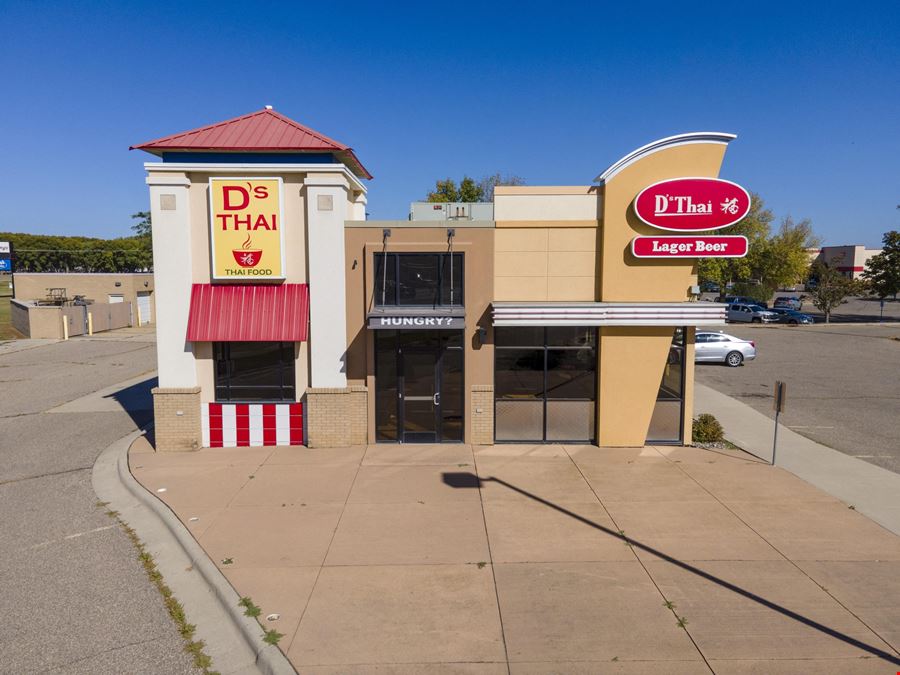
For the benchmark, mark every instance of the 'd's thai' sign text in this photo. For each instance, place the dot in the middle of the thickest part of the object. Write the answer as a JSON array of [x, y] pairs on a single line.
[[246, 231], [692, 204]]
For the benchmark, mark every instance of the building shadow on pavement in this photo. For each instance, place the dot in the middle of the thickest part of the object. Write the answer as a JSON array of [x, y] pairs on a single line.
[[464, 480], [137, 401]]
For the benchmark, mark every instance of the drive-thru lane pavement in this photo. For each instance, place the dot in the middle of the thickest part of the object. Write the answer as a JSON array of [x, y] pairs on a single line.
[[75, 598]]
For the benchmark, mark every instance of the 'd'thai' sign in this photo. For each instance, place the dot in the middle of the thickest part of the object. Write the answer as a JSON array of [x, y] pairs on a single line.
[[246, 231], [692, 204]]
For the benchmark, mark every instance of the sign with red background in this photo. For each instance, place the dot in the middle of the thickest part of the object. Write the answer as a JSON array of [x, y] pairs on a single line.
[[692, 204], [709, 246]]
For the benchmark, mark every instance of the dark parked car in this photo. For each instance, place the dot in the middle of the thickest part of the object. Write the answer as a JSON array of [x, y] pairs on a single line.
[[744, 300], [788, 302], [791, 316]]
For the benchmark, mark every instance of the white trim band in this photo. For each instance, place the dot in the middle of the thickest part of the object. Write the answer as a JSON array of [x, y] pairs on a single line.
[[609, 314], [252, 168]]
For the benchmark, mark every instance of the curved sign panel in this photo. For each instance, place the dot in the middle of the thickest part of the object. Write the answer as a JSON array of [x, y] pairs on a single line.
[[692, 204]]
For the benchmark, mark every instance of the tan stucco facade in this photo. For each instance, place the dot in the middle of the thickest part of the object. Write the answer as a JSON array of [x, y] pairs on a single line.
[[555, 263], [548, 246], [294, 225], [631, 370], [476, 244], [561, 253]]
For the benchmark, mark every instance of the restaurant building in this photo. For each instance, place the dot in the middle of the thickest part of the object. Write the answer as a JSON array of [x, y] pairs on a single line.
[[554, 314]]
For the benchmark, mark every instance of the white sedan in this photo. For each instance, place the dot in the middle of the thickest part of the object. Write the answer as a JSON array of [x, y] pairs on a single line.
[[722, 348]]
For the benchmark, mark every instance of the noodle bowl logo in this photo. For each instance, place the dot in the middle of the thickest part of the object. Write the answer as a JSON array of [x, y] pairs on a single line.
[[246, 255]]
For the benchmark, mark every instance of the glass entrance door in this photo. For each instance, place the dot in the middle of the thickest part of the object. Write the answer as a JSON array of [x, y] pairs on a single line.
[[419, 386], [420, 394]]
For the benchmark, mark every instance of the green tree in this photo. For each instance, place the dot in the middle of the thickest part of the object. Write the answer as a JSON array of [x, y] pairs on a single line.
[[45, 253], [782, 259], [755, 226], [470, 190], [772, 260], [832, 288], [142, 228], [444, 191], [883, 270]]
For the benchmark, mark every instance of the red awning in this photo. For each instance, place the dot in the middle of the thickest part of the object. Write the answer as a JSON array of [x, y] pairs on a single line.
[[248, 313]]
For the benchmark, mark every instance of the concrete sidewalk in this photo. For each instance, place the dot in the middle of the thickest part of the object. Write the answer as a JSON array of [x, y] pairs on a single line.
[[868, 488], [540, 559]]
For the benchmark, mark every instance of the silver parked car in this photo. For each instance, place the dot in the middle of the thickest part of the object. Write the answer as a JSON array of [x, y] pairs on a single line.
[[741, 313], [722, 348]]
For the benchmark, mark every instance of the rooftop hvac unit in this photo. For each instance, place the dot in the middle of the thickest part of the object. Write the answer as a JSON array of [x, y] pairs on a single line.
[[451, 211]]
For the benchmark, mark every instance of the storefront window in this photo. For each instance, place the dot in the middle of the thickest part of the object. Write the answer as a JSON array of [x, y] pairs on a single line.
[[666, 423], [254, 371], [418, 279], [545, 383]]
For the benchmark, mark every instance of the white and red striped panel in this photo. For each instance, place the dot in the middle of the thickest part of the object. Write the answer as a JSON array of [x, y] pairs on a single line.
[[242, 425]]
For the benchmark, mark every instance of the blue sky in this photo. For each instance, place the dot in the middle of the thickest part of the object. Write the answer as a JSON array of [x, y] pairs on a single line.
[[551, 92]]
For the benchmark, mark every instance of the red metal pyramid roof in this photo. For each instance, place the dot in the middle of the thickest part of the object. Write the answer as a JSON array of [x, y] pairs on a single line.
[[261, 131]]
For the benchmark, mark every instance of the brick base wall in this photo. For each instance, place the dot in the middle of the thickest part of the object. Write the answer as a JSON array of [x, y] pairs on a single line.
[[482, 414], [177, 419], [336, 417]]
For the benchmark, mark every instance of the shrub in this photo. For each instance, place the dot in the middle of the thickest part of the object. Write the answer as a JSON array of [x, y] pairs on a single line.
[[706, 429]]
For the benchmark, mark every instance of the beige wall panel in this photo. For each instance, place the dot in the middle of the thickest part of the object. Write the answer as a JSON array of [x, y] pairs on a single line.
[[199, 235], [572, 289], [521, 239], [624, 277], [572, 264], [547, 207], [45, 322], [520, 263], [631, 366], [509, 190], [522, 289], [301, 367], [573, 239], [552, 224], [206, 378]]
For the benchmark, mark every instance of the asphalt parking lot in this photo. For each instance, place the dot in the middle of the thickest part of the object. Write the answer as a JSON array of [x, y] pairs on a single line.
[[843, 384], [74, 596]]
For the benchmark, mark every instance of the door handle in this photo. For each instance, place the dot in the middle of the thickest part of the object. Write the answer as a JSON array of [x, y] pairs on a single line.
[[436, 398]]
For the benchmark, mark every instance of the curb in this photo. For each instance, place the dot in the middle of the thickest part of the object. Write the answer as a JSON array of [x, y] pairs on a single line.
[[233, 641]]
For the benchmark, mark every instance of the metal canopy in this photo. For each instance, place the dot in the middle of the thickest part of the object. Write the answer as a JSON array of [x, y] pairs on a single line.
[[609, 314]]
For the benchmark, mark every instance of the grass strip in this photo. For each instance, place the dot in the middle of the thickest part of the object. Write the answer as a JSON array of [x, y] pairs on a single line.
[[193, 647]]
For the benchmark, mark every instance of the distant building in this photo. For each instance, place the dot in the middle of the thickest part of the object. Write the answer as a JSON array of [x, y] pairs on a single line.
[[135, 288], [850, 259]]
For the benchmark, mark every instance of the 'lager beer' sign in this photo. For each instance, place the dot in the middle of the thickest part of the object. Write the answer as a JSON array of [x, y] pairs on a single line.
[[246, 231], [692, 204]]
